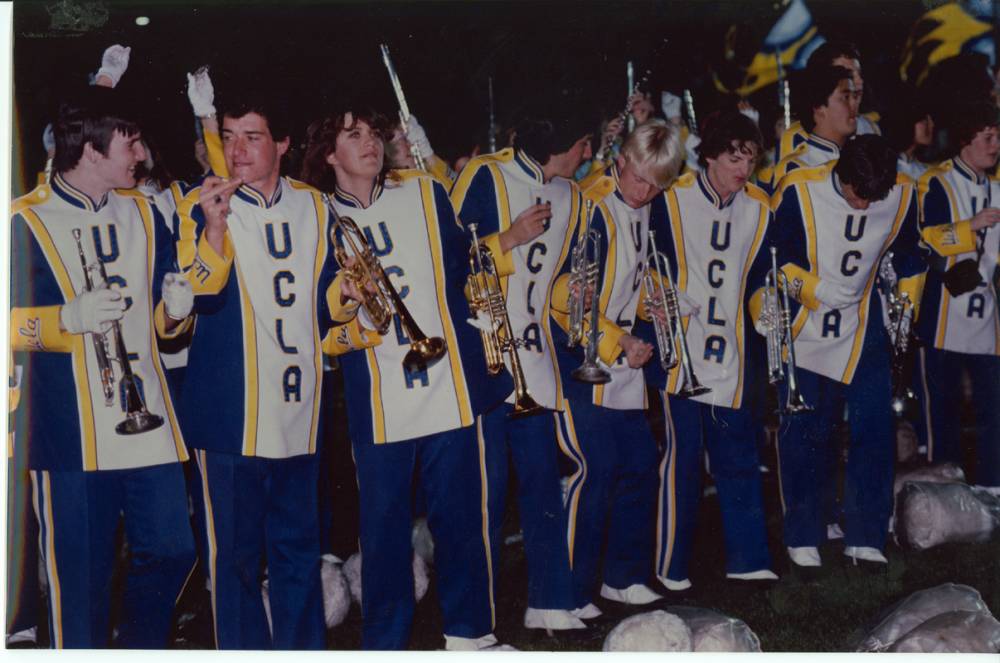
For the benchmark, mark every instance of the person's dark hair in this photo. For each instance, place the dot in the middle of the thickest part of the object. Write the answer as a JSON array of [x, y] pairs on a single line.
[[829, 51], [907, 108], [868, 164], [274, 113], [971, 118], [91, 116], [817, 85], [321, 141], [721, 130], [540, 139]]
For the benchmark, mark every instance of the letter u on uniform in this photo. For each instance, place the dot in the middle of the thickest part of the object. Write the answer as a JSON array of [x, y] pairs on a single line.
[[286, 243]]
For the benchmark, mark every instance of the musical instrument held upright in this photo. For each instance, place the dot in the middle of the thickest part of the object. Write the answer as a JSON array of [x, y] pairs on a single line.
[[381, 301], [137, 418], [584, 269], [486, 297], [899, 310], [777, 314], [404, 108]]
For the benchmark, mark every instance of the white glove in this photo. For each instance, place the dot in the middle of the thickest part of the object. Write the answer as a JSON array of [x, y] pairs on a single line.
[[835, 295], [92, 311], [687, 306], [417, 137], [762, 323], [691, 154], [671, 105], [752, 113], [201, 93], [178, 298], [114, 62], [49, 139]]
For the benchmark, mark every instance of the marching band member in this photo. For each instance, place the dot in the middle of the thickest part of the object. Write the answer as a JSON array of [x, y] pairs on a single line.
[[406, 419], [713, 238], [959, 326], [257, 251], [833, 225], [603, 427], [526, 210], [85, 473]]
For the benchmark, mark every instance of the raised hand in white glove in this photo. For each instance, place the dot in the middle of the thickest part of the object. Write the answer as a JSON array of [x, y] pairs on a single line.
[[762, 323], [417, 137], [178, 298], [671, 105], [201, 93], [751, 112], [114, 62], [691, 152], [835, 295], [92, 311]]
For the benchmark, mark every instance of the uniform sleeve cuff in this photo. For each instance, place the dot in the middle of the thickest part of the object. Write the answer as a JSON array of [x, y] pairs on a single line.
[[339, 311], [756, 305], [36, 329], [801, 285], [913, 286], [504, 261], [210, 271], [608, 334], [950, 239], [160, 323], [349, 337]]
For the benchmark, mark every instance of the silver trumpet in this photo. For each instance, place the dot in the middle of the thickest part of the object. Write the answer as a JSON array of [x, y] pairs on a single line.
[[584, 270], [692, 121], [404, 108], [900, 313], [137, 418], [671, 340], [777, 315]]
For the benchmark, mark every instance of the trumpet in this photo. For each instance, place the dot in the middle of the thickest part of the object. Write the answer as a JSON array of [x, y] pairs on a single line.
[[583, 279], [137, 418], [486, 296], [777, 313], [899, 309], [384, 302], [404, 108], [692, 121], [671, 340]]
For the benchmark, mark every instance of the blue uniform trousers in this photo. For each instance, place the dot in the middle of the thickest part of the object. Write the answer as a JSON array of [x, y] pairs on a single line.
[[943, 373], [78, 514], [804, 456], [22, 551], [531, 442], [256, 507], [612, 497], [730, 438], [451, 467]]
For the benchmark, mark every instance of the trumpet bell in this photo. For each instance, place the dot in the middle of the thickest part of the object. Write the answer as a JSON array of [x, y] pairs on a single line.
[[424, 352], [795, 405], [696, 389], [139, 422], [525, 406], [591, 373]]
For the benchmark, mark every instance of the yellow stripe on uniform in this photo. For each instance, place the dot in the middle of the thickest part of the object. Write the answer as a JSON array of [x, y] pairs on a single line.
[[666, 550], [503, 207], [250, 391], [321, 255], [740, 321], [213, 549], [378, 411], [546, 311], [81, 377], [610, 263], [437, 259], [942, 326], [49, 552], [485, 510], [571, 447], [682, 278], [806, 206]]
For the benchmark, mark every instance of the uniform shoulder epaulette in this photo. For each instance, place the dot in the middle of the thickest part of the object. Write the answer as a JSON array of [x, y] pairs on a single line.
[[934, 171], [406, 174], [903, 179], [36, 196], [302, 186], [132, 193], [685, 180], [800, 175], [598, 188], [757, 194]]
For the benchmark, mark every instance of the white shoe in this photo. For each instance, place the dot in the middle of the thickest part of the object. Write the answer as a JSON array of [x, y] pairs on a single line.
[[456, 643], [675, 585], [589, 611], [866, 554], [833, 531], [637, 594], [27, 635], [805, 556], [329, 557], [551, 619], [762, 574]]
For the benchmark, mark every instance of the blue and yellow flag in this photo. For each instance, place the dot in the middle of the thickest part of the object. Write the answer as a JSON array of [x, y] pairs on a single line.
[[943, 33]]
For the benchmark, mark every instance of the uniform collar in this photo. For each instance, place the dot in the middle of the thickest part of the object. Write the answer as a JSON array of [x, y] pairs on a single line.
[[75, 197], [967, 171], [824, 145], [351, 200], [529, 166], [251, 195], [711, 194]]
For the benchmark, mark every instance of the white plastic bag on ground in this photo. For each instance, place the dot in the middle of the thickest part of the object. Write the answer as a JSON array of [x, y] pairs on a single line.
[[712, 631], [943, 473], [352, 570], [918, 608], [930, 514], [650, 631], [336, 592], [960, 631]]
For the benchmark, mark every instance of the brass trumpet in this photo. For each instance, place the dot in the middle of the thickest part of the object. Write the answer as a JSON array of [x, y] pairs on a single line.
[[584, 270], [900, 312], [671, 340], [137, 418], [486, 296], [384, 302], [777, 313]]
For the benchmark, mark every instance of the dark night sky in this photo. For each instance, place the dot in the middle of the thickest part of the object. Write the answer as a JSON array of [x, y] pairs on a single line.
[[315, 53]]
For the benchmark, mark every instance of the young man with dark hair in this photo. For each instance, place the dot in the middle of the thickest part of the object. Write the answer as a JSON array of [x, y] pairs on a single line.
[[714, 240], [526, 208], [833, 225], [960, 319], [257, 250], [86, 471]]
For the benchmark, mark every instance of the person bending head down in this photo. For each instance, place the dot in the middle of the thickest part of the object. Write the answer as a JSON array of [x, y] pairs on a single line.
[[649, 162]]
